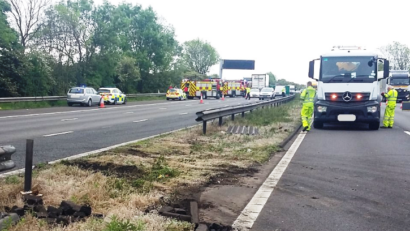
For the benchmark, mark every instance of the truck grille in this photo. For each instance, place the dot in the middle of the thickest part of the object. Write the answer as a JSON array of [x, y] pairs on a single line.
[[339, 97]]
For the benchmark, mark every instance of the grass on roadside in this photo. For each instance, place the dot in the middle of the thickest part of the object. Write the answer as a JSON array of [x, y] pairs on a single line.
[[123, 182]]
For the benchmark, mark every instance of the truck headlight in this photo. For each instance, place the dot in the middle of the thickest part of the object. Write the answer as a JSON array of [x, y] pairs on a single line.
[[321, 109], [372, 109]]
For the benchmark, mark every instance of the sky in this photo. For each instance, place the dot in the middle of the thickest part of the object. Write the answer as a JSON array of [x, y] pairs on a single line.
[[282, 36]]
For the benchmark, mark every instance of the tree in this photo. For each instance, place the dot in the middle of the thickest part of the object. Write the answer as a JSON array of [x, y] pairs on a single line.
[[272, 79], [398, 54], [200, 55], [27, 14], [128, 73]]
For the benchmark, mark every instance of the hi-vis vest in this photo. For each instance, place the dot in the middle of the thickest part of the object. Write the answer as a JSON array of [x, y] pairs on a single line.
[[248, 90], [391, 97], [308, 95]]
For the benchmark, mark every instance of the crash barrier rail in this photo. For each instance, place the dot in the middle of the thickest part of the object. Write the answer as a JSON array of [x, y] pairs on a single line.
[[219, 113], [56, 98], [5, 157]]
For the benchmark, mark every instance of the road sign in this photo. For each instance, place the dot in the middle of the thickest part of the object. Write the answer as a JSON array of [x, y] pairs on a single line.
[[238, 64]]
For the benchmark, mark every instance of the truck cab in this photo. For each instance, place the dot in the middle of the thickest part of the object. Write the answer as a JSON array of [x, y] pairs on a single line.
[[347, 86], [400, 81]]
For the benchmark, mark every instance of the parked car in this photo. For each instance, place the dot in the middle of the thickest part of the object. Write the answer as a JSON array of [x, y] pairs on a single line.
[[85, 96], [267, 93], [112, 95], [254, 93], [175, 93]]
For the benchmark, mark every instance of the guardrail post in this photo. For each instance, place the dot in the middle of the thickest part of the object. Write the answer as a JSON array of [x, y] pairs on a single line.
[[220, 121], [29, 165], [204, 127], [233, 117], [243, 114]]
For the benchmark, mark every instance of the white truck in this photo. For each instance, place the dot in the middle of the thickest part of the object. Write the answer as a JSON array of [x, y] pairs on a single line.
[[399, 80], [347, 89], [260, 81], [292, 89]]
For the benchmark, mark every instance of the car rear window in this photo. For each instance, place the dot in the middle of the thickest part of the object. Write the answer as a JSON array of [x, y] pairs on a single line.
[[76, 91], [104, 91]]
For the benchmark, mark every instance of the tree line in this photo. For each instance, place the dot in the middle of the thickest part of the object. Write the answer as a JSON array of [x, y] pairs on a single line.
[[48, 48]]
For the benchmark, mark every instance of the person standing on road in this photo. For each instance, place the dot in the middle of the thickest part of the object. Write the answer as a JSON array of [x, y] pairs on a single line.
[[391, 98], [248, 93], [307, 96]]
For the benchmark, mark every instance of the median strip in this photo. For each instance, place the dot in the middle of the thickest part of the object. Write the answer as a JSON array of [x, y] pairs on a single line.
[[57, 134]]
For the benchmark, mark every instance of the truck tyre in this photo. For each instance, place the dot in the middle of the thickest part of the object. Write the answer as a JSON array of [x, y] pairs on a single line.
[[374, 126], [317, 124]]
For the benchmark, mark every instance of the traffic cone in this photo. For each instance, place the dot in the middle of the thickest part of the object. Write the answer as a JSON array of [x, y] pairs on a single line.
[[223, 96], [201, 101], [401, 106], [102, 103]]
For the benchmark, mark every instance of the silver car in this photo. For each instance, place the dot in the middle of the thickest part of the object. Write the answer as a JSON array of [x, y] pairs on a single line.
[[85, 96]]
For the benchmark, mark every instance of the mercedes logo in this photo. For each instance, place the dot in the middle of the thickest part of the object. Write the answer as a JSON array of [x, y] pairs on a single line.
[[347, 96]]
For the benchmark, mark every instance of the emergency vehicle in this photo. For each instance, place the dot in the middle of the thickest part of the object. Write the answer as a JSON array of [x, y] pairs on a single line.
[[112, 95], [208, 88], [233, 88]]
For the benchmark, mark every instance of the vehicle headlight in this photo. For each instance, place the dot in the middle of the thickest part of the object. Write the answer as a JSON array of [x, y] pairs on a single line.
[[372, 109], [321, 109]]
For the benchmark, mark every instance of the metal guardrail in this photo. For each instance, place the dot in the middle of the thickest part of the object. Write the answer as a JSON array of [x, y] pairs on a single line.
[[219, 113], [5, 157], [55, 98]]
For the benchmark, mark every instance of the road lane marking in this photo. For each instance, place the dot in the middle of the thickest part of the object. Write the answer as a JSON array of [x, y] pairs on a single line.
[[188, 105], [251, 212], [96, 109], [129, 112], [69, 119], [408, 133], [57, 134], [138, 121], [186, 113], [162, 108]]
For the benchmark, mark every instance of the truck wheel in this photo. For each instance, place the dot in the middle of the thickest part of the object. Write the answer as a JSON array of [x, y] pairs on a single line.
[[374, 126], [317, 124]]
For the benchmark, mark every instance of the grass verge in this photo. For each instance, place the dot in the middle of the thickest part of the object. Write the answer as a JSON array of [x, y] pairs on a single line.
[[122, 183]]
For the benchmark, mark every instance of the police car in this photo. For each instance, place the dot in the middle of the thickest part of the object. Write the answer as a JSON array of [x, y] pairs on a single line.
[[112, 95], [175, 93]]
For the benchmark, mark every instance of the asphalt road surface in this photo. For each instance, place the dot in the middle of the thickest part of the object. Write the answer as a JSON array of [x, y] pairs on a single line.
[[345, 178], [66, 131]]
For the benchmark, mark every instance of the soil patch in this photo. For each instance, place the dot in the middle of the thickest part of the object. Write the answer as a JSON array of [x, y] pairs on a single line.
[[109, 169]]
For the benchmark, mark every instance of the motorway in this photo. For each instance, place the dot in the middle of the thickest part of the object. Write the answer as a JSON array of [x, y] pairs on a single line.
[[344, 178], [65, 131]]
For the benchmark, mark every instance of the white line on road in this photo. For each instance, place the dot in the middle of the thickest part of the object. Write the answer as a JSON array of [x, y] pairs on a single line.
[[188, 105], [56, 134], [408, 133], [184, 113], [162, 108], [251, 212], [69, 119], [140, 120], [78, 111], [129, 112]]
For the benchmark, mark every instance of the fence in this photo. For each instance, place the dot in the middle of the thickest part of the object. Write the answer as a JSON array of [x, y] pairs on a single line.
[[219, 113]]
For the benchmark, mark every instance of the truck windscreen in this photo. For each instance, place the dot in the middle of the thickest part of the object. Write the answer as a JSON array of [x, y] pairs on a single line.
[[347, 69], [399, 81]]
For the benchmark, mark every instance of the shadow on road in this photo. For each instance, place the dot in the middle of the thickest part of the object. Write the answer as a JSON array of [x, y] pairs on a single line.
[[346, 127]]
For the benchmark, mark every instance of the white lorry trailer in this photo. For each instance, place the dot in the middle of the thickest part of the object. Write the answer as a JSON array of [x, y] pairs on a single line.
[[260, 81], [347, 89]]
